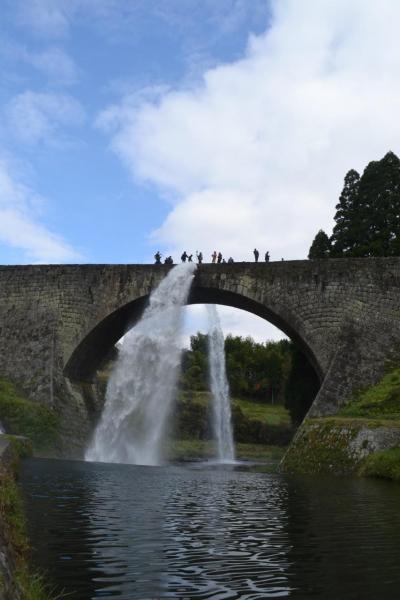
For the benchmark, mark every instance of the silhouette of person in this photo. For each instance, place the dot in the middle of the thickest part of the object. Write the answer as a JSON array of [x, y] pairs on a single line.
[[219, 257], [184, 257], [157, 257], [199, 257], [190, 258], [267, 256], [214, 256], [230, 260], [256, 254]]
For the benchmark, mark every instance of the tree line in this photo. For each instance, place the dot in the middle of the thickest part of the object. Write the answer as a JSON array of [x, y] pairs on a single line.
[[367, 219], [273, 372]]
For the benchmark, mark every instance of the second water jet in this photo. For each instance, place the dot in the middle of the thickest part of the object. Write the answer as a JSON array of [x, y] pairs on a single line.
[[222, 416]]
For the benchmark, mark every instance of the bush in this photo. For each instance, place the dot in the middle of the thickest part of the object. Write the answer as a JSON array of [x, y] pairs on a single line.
[[23, 417], [385, 464]]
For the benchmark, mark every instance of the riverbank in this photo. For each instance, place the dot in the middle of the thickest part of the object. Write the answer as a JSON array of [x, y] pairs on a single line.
[[188, 450], [17, 580], [362, 439]]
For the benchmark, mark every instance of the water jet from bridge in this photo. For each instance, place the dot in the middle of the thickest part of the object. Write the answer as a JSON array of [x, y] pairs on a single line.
[[142, 386], [222, 418]]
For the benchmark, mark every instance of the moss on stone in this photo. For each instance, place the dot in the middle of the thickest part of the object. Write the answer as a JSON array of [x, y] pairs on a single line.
[[321, 446], [385, 464], [23, 417]]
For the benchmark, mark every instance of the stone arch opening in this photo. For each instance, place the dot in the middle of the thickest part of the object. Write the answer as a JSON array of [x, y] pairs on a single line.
[[94, 348]]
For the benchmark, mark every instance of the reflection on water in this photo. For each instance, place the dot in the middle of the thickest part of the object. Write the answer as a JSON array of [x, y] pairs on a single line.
[[119, 531]]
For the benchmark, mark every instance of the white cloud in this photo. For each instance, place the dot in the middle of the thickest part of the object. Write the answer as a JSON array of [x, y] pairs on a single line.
[[256, 154], [46, 16], [54, 18], [53, 61], [38, 117], [56, 64], [19, 225]]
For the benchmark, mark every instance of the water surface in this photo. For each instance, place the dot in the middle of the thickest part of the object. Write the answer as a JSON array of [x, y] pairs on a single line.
[[197, 532]]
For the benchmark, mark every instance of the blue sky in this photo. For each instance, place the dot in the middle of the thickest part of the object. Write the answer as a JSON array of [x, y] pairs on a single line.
[[128, 126], [65, 63]]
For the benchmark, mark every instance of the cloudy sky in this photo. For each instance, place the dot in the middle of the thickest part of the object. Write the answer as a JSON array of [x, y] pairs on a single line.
[[127, 127]]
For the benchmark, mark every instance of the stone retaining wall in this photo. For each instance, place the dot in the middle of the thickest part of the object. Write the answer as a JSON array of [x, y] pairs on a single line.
[[338, 446]]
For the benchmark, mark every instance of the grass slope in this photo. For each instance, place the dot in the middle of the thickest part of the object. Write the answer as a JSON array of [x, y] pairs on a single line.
[[380, 401], [30, 585], [273, 414], [30, 419]]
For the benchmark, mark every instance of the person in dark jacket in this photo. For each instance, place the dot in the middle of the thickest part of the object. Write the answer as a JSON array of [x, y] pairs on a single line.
[[184, 257], [256, 254], [157, 257]]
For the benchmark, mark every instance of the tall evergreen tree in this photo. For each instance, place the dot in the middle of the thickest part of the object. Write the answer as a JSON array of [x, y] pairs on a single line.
[[321, 246], [346, 231], [379, 207], [368, 213]]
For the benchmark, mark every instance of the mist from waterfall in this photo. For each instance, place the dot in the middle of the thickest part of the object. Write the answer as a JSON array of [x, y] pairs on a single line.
[[142, 386], [222, 416]]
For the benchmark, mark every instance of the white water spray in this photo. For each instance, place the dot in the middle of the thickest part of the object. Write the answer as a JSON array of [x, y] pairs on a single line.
[[220, 388], [142, 386]]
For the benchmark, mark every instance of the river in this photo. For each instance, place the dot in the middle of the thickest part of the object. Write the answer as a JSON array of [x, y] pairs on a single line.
[[196, 531]]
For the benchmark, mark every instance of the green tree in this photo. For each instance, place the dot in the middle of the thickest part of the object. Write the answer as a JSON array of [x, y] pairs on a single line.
[[379, 205], [321, 246], [368, 213], [347, 230]]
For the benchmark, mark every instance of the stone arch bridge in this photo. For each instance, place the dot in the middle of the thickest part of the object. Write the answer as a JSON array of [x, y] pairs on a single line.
[[58, 323]]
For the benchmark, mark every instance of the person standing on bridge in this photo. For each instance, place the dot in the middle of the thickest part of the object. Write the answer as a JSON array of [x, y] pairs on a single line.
[[157, 257], [190, 258], [256, 254], [199, 257], [214, 256], [184, 256], [219, 257], [267, 256]]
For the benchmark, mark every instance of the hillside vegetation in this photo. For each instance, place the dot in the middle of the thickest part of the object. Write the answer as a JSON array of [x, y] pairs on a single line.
[[20, 416], [253, 422], [379, 401]]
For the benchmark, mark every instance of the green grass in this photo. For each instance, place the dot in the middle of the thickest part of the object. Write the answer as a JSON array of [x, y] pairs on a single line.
[[205, 449], [385, 464], [23, 417], [378, 401], [273, 414], [30, 585]]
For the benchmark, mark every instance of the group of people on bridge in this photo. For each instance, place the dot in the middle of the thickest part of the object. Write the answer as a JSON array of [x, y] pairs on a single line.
[[216, 258], [257, 254]]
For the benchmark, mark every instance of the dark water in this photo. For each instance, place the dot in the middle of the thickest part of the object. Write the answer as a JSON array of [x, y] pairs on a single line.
[[115, 531]]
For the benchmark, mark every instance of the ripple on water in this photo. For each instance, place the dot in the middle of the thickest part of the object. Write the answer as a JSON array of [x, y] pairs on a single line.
[[106, 531]]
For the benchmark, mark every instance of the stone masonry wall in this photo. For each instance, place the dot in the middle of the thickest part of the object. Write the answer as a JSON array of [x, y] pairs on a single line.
[[344, 312]]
